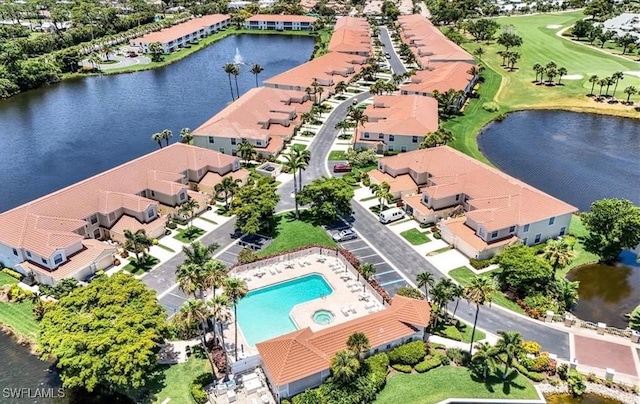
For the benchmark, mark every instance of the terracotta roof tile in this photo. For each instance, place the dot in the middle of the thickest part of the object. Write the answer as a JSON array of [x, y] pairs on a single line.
[[465, 233], [281, 18], [443, 76], [401, 115], [398, 184], [177, 31]]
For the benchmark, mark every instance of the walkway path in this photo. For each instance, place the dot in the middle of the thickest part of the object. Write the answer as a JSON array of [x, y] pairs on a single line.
[[122, 62]]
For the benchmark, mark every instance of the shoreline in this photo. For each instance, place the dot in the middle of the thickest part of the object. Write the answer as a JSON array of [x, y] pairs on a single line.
[[21, 340]]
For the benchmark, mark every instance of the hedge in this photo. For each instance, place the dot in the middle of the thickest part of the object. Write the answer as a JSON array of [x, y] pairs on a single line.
[[451, 332], [402, 368], [534, 376], [408, 354], [12, 273], [197, 388], [479, 264], [378, 369], [431, 362]]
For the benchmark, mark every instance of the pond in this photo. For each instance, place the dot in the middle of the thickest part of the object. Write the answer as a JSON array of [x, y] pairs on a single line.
[[578, 158], [58, 135], [584, 399], [607, 292]]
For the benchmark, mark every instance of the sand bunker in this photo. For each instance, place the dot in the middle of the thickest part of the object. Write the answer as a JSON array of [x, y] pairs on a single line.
[[633, 73], [554, 26], [573, 77]]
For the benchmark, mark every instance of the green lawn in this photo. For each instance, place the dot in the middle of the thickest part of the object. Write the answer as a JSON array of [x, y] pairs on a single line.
[[415, 236], [175, 380], [337, 155], [464, 330], [463, 276], [290, 233], [7, 279], [577, 230], [133, 267], [19, 316], [298, 146], [452, 382], [187, 235]]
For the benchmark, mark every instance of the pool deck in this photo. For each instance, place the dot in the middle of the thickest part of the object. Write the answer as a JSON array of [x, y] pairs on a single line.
[[351, 300]]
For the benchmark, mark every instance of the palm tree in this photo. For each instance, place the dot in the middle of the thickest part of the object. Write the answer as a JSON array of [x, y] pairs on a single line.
[[425, 279], [382, 193], [292, 163], [188, 207], [229, 69], [228, 186], [304, 157], [610, 81], [247, 151], [319, 91], [358, 343], [617, 76], [157, 137], [307, 117], [345, 366], [367, 270], [342, 126], [192, 312], [629, 91], [457, 292], [478, 52], [137, 242], [186, 136], [561, 72], [236, 73], [256, 69], [341, 87], [198, 253], [509, 345], [484, 358], [479, 291], [602, 83], [358, 117], [236, 289], [221, 315], [567, 293], [440, 295], [558, 253], [593, 80], [214, 274], [190, 280], [536, 68]]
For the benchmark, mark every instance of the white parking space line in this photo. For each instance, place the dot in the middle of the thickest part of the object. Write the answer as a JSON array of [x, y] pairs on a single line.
[[392, 282], [386, 272], [361, 248], [366, 256], [380, 263], [350, 241]]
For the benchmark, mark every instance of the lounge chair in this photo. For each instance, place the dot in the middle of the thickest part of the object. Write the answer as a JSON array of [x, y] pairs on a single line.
[[278, 269], [370, 306], [345, 311], [352, 309], [272, 271]]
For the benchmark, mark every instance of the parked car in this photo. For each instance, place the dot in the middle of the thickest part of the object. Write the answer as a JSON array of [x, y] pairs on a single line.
[[345, 235], [391, 215], [341, 168], [387, 55]]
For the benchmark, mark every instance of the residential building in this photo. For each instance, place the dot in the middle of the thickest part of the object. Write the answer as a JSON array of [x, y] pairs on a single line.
[[325, 71], [301, 360], [490, 209], [279, 22], [180, 35], [57, 235], [265, 117], [625, 23], [441, 77], [397, 123], [241, 4], [428, 44], [351, 35]]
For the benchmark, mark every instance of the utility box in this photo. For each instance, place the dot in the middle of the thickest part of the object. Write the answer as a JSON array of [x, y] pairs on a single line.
[[549, 317], [601, 328], [568, 320], [635, 336]]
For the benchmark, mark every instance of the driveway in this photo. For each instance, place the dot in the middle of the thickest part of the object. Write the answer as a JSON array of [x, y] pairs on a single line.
[[396, 64]]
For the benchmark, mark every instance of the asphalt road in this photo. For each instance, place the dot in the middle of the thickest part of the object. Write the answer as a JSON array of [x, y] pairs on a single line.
[[396, 64]]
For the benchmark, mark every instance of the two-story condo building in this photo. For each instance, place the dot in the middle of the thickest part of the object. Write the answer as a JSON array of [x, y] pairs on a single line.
[[57, 236], [179, 35], [397, 123], [351, 35], [441, 77], [489, 208], [279, 22], [265, 117], [301, 360]]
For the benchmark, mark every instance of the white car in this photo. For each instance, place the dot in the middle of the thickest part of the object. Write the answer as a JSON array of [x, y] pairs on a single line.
[[345, 235]]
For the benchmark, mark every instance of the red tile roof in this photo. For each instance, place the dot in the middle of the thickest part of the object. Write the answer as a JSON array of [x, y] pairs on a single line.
[[178, 31], [409, 115], [281, 18], [442, 77], [465, 233], [351, 35]]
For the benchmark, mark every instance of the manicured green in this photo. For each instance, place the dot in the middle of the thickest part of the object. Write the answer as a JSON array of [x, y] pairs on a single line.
[[463, 276], [298, 146], [175, 380], [7, 279], [164, 247], [134, 268], [291, 233], [187, 235], [582, 257], [337, 155], [19, 317], [460, 333], [415, 236], [437, 385]]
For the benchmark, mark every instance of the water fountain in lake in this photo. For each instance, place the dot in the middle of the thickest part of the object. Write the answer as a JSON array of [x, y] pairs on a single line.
[[237, 59]]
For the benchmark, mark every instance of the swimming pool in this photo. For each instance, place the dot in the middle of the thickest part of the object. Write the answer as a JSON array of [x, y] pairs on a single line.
[[264, 313]]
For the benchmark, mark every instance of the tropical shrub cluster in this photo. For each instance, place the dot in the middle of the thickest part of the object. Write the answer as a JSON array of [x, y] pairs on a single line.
[[197, 388], [408, 354], [14, 274]]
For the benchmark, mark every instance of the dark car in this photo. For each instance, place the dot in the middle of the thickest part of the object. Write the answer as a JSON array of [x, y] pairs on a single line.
[[342, 168]]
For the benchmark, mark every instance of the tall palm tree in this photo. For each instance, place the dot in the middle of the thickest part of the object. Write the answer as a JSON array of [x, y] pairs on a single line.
[[137, 242], [610, 81], [558, 253], [536, 68], [196, 312], [166, 135], [479, 291], [292, 163], [617, 76], [214, 274], [186, 136], [219, 308], [190, 280], [478, 52], [425, 280], [561, 72], [484, 358], [304, 157], [510, 345], [246, 151], [342, 126], [457, 292], [188, 208], [306, 117], [345, 366], [593, 80], [236, 289], [629, 91], [358, 117], [229, 68], [602, 82], [157, 137], [341, 87], [566, 293], [198, 253], [358, 343], [367, 271], [382, 193], [256, 69], [440, 297], [228, 187], [236, 73]]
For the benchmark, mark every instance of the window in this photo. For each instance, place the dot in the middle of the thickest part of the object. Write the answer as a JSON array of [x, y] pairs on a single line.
[[183, 196], [391, 138], [512, 229], [96, 233], [563, 230], [457, 197], [403, 148], [538, 237], [258, 142], [234, 152], [414, 139], [153, 193], [233, 141], [57, 259], [94, 219], [380, 136], [390, 148], [494, 234], [151, 214], [524, 241], [525, 228], [552, 221], [211, 139], [366, 136], [15, 252], [44, 261], [28, 254], [221, 150]]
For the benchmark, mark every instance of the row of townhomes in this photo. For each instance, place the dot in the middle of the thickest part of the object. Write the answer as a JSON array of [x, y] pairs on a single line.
[[484, 209], [279, 22], [180, 35], [59, 235], [268, 116]]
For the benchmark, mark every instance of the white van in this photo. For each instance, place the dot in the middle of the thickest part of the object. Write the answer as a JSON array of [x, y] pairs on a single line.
[[391, 215]]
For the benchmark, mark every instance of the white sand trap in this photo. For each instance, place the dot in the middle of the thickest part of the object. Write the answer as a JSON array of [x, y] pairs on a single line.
[[554, 26], [573, 77], [633, 73]]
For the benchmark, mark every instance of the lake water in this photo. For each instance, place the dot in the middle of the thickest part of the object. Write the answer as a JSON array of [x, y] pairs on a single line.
[[56, 136], [578, 158]]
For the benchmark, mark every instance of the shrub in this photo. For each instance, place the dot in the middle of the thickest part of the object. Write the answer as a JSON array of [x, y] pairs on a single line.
[[197, 388], [534, 376], [155, 241], [491, 106], [378, 368], [247, 255], [408, 291], [458, 356], [430, 362], [12, 273], [219, 358], [563, 371], [539, 304], [531, 347], [172, 225], [432, 346], [479, 264], [451, 332], [408, 354], [16, 294], [402, 368], [437, 235], [576, 383]]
